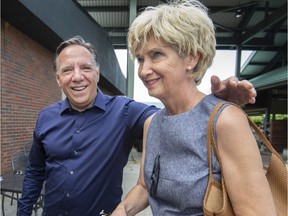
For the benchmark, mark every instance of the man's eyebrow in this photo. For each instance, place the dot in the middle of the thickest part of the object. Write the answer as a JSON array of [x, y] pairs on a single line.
[[66, 67], [86, 64]]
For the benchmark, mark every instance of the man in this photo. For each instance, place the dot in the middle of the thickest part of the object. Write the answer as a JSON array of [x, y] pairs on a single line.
[[81, 144]]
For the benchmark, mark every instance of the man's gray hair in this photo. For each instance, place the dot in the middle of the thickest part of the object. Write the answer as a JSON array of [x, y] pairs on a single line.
[[76, 40]]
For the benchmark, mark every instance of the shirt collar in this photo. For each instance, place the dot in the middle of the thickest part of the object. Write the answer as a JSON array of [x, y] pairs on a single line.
[[98, 102]]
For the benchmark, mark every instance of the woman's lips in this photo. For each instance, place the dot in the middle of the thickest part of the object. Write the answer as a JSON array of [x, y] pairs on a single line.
[[150, 83]]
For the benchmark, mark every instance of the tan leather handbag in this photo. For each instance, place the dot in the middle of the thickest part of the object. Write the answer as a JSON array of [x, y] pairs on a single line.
[[216, 200]]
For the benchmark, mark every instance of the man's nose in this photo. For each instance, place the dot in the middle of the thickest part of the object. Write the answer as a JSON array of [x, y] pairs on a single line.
[[78, 74]]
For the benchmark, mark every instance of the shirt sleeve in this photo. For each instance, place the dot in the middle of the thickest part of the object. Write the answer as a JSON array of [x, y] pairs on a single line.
[[34, 176], [137, 114]]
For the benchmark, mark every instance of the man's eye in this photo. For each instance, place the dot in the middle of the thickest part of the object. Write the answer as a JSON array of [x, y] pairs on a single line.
[[67, 71], [86, 68]]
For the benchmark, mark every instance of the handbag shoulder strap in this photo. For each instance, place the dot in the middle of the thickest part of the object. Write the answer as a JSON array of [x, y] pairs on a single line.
[[211, 140]]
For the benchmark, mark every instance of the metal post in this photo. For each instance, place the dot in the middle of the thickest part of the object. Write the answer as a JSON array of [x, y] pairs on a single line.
[[130, 63], [238, 61]]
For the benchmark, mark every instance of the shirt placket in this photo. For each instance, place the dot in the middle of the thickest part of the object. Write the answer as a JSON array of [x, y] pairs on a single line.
[[71, 166]]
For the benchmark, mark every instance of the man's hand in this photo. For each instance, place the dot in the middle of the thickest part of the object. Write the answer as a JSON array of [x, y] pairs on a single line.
[[239, 92]]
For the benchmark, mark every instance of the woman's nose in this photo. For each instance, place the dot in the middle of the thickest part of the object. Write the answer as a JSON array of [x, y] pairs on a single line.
[[145, 69]]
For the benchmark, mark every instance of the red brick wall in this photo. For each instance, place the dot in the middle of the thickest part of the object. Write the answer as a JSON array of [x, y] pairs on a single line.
[[27, 85]]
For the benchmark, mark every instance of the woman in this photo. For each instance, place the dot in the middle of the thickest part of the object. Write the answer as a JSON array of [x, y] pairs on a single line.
[[174, 45]]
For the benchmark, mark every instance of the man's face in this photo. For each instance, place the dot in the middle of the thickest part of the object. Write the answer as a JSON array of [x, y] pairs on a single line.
[[78, 76]]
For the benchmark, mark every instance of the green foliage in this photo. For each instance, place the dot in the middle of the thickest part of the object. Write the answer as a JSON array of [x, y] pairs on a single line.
[[258, 120], [281, 116]]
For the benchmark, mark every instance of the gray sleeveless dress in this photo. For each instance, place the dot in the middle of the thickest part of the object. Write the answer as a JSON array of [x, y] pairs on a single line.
[[180, 141]]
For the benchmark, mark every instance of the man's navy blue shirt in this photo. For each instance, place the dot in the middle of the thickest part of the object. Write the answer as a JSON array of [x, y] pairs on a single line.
[[81, 155]]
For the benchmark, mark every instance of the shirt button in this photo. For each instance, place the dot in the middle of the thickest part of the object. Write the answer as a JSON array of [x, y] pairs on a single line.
[[67, 194], [75, 152], [78, 131], [71, 172]]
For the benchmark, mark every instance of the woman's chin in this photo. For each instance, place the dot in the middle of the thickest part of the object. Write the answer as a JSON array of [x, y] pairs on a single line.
[[153, 94]]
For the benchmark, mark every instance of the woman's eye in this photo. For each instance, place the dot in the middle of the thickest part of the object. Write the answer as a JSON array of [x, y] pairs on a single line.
[[156, 55], [140, 60]]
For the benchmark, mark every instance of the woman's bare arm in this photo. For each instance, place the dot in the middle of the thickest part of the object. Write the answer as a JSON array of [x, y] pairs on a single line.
[[246, 183]]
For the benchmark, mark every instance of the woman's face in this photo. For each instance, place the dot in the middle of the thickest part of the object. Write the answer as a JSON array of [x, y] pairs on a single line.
[[162, 70]]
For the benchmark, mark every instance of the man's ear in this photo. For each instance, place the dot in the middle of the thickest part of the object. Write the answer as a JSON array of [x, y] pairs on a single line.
[[57, 79], [98, 75]]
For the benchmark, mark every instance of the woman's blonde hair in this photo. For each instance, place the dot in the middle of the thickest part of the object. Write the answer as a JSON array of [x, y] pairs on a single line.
[[182, 24]]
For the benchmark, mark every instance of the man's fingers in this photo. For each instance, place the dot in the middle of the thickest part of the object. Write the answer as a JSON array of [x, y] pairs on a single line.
[[233, 81], [215, 80], [252, 100], [253, 92], [215, 83], [233, 78], [247, 84]]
